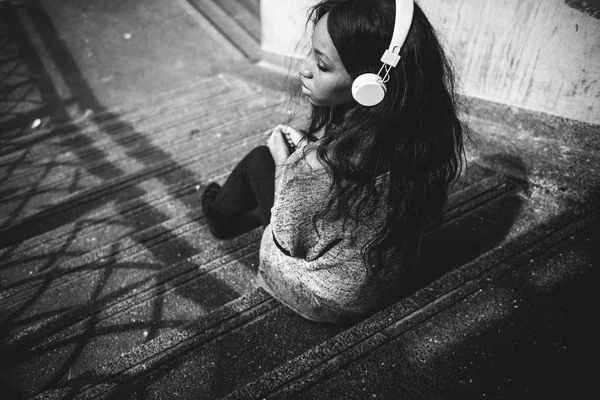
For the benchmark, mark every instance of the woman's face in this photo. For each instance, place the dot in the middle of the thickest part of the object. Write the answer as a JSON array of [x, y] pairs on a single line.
[[325, 81]]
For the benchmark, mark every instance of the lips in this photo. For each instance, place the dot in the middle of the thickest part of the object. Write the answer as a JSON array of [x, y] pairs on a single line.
[[305, 90]]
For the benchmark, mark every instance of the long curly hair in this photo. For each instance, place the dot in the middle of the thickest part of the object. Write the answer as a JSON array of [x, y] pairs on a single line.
[[415, 134]]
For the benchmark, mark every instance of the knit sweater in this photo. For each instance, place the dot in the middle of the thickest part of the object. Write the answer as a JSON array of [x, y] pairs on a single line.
[[320, 273]]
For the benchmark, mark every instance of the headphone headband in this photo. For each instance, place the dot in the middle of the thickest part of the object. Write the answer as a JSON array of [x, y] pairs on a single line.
[[402, 23], [369, 89]]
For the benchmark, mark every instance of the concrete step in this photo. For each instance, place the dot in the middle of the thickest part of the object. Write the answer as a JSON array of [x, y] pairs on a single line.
[[87, 335], [127, 255], [224, 269], [66, 244], [230, 327], [238, 21], [116, 288], [81, 162], [508, 325], [183, 162], [110, 134], [246, 13], [30, 269]]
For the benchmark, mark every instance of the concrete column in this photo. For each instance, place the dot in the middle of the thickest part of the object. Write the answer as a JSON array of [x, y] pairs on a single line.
[[283, 25], [536, 54]]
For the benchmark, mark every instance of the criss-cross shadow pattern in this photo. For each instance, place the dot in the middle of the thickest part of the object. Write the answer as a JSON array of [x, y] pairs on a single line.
[[102, 234], [20, 99]]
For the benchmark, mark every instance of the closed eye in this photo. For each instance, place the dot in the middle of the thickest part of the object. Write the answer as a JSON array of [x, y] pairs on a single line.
[[315, 54]]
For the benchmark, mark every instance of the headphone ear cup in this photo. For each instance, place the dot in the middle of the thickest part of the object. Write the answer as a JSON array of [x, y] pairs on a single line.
[[368, 89]]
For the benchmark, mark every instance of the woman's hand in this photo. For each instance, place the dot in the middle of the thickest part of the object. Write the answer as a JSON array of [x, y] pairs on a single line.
[[292, 136], [277, 146]]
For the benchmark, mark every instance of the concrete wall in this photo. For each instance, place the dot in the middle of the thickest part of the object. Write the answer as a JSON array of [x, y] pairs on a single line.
[[541, 55], [282, 25]]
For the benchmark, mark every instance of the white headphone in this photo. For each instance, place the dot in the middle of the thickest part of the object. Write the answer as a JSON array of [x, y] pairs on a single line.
[[369, 89]]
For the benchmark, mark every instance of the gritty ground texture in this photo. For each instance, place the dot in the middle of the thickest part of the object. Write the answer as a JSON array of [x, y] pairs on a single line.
[[114, 117]]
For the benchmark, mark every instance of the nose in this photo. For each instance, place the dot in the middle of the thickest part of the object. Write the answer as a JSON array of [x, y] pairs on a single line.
[[305, 70]]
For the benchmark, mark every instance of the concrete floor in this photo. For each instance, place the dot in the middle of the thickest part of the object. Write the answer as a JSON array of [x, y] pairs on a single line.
[[98, 55], [104, 55]]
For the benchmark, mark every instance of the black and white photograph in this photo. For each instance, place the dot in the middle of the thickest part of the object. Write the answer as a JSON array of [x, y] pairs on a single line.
[[299, 199]]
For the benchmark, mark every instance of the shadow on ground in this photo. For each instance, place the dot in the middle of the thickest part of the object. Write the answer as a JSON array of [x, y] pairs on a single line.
[[459, 242], [75, 210], [443, 249]]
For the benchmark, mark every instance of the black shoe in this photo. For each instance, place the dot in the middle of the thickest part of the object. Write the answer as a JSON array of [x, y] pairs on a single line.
[[218, 223]]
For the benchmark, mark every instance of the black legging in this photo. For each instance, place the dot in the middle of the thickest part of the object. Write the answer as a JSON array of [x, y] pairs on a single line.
[[251, 184]]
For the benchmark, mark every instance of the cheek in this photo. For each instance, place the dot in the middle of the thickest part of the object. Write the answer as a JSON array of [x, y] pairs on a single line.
[[342, 91], [335, 90]]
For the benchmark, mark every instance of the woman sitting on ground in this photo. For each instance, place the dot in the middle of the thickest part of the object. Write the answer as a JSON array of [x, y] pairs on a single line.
[[344, 212]]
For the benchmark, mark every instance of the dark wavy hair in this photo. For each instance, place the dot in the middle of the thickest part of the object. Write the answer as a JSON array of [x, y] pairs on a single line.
[[415, 134]]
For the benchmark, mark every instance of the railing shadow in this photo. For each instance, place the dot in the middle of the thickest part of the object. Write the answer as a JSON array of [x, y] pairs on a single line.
[[59, 214], [441, 254]]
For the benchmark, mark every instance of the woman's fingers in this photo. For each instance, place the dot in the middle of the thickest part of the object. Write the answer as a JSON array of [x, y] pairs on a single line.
[[292, 134], [271, 130], [276, 144], [289, 139]]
